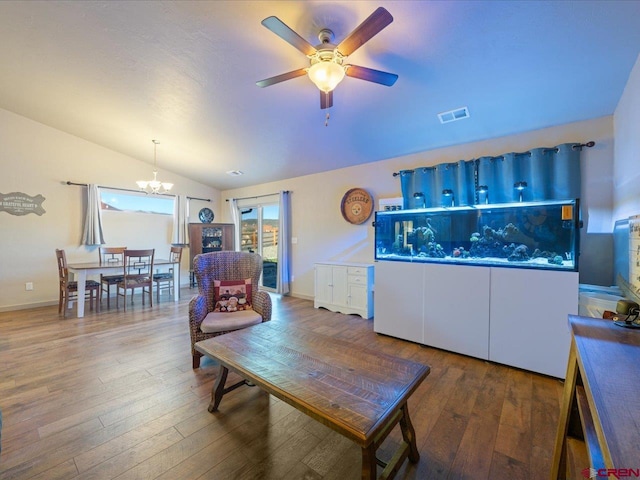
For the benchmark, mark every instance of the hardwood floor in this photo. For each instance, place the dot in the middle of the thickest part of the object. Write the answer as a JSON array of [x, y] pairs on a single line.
[[113, 396]]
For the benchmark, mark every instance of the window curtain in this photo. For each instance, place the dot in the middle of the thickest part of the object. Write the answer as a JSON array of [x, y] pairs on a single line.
[[180, 234], [92, 234], [235, 219], [541, 174], [284, 234]]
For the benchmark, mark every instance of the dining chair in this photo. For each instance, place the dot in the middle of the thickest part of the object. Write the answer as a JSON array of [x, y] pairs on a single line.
[[110, 256], [164, 280], [69, 289], [137, 273]]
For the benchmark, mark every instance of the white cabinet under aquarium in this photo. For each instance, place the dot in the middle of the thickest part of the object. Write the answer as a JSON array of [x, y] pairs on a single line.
[[493, 282], [445, 306]]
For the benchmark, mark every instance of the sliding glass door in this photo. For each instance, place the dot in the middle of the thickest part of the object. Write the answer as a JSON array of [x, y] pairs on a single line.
[[259, 234]]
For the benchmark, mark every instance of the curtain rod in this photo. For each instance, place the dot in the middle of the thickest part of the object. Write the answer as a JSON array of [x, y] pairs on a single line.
[[137, 191], [528, 152], [259, 196]]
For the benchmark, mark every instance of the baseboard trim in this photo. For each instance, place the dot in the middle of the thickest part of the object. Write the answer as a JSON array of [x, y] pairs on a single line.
[[26, 306]]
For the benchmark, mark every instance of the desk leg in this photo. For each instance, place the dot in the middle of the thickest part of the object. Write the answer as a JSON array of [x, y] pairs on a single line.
[[82, 283], [559, 462]]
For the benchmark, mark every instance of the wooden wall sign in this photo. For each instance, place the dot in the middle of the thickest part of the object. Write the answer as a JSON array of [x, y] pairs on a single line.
[[18, 203], [356, 206]]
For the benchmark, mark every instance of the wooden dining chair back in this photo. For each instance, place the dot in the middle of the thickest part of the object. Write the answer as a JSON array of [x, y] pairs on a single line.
[[69, 289], [110, 256], [164, 280], [137, 273]]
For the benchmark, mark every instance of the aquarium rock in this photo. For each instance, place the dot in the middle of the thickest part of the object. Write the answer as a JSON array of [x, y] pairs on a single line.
[[557, 260], [519, 254]]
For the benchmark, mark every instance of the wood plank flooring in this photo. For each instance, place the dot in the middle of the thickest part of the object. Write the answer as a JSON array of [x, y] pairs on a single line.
[[113, 396]]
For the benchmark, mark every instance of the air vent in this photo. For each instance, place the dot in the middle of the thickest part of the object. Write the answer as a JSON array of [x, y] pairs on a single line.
[[235, 173], [453, 115]]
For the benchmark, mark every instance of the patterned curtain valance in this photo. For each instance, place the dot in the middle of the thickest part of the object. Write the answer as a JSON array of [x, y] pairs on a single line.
[[537, 175]]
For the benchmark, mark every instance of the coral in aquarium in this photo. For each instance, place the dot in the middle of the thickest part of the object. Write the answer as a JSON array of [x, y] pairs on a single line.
[[432, 250], [556, 260], [507, 242], [460, 252], [519, 253]]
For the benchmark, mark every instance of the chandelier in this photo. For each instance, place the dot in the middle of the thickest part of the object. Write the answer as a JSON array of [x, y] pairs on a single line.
[[155, 185]]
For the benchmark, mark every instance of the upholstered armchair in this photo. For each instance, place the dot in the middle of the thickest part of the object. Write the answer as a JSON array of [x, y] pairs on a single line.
[[205, 319]]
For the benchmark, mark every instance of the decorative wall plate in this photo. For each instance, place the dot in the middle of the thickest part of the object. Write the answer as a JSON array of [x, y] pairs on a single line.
[[206, 215], [356, 206]]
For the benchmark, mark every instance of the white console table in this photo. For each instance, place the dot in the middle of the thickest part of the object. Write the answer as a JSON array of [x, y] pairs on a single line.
[[344, 287]]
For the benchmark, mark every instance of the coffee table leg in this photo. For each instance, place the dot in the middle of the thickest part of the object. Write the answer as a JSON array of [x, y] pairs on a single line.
[[409, 434], [369, 463], [218, 389]]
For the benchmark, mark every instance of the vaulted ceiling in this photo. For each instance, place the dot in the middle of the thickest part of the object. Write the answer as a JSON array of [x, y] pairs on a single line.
[[121, 73]]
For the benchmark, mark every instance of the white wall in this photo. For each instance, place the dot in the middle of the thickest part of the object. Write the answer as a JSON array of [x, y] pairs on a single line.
[[323, 234], [36, 159], [626, 167]]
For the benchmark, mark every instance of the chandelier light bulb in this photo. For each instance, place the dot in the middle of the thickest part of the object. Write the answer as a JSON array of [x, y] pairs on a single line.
[[326, 75]]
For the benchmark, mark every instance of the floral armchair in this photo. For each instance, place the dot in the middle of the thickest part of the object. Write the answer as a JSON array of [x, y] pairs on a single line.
[[205, 319]]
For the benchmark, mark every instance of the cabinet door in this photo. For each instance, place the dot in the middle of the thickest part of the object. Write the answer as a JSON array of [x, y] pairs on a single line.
[[324, 284], [398, 300], [339, 282], [529, 318], [357, 296], [456, 308]]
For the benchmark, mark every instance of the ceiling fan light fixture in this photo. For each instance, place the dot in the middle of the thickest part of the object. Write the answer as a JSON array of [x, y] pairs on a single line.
[[326, 75]]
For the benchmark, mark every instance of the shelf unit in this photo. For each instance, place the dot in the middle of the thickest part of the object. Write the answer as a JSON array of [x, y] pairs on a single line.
[[208, 237]]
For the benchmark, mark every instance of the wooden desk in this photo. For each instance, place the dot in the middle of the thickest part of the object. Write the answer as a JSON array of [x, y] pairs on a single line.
[[82, 270], [360, 393], [599, 425]]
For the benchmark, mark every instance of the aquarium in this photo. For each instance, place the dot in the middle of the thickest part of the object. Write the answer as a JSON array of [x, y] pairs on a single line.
[[540, 235]]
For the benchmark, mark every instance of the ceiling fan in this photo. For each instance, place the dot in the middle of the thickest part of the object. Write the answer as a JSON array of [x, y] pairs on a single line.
[[328, 67]]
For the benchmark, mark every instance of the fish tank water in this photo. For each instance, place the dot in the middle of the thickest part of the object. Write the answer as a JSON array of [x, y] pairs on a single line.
[[538, 235]]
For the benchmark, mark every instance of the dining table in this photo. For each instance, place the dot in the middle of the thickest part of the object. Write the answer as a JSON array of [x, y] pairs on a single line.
[[82, 270]]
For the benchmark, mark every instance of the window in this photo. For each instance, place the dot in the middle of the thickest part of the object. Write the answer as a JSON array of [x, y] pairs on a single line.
[[115, 200]]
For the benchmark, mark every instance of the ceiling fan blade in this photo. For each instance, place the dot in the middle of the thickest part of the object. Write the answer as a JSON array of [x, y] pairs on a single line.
[[278, 27], [371, 75], [365, 31], [281, 78], [326, 100]]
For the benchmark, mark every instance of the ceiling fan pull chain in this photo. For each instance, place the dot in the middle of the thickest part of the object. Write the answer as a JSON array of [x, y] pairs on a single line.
[[326, 120]]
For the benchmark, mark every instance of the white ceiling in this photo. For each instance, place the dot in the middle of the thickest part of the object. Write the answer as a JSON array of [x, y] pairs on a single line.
[[121, 73]]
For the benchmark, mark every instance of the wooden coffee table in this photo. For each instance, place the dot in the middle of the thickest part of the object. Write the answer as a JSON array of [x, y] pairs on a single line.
[[358, 392]]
